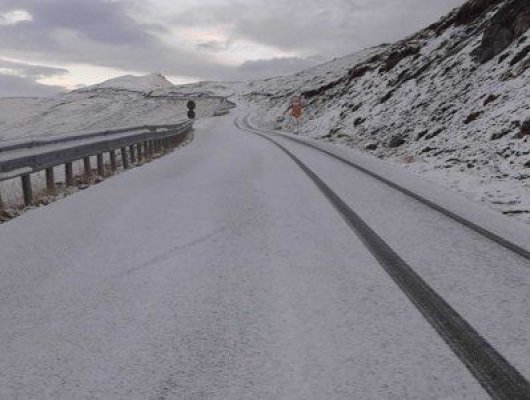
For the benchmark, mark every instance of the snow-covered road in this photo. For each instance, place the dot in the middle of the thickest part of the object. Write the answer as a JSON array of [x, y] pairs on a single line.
[[221, 272]]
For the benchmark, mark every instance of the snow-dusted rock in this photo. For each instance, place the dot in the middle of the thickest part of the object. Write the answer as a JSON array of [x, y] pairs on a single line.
[[452, 88]]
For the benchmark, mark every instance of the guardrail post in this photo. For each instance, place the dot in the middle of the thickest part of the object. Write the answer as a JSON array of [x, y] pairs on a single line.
[[113, 165], [26, 189], [139, 151], [101, 165], [88, 167], [147, 152], [124, 158], [132, 153], [69, 174], [50, 181]]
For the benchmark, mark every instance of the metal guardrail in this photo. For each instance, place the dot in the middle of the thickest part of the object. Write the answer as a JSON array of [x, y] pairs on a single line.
[[13, 144], [21, 158]]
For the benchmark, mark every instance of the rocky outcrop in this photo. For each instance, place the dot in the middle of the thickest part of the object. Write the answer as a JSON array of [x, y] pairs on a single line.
[[472, 10], [525, 129], [396, 56], [396, 141], [507, 25]]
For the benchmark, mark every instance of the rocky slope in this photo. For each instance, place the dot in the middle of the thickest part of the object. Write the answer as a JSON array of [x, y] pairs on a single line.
[[451, 102]]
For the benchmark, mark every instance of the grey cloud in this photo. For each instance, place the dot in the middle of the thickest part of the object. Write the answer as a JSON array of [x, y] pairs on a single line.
[[98, 20], [275, 66], [214, 45], [331, 28], [97, 32], [11, 86], [102, 32], [22, 82], [32, 71]]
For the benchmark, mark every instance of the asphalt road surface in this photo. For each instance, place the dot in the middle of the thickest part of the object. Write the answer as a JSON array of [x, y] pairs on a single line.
[[222, 271]]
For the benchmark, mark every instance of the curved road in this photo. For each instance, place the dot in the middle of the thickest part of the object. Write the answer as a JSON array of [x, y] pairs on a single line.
[[221, 271]]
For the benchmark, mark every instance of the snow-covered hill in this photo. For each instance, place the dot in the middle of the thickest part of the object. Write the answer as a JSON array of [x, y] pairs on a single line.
[[451, 102], [121, 102], [132, 83]]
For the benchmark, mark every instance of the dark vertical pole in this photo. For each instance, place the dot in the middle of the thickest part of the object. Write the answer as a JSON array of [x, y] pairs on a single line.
[[124, 158], [26, 189], [88, 167], [50, 181], [146, 150], [133, 154], [113, 165], [101, 165], [139, 151], [69, 174]]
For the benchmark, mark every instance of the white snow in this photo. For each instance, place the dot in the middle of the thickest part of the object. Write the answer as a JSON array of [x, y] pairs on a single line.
[[482, 159], [134, 83], [198, 275], [477, 214]]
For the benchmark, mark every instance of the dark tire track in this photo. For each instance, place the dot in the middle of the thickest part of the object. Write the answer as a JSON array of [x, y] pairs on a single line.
[[468, 224], [498, 377]]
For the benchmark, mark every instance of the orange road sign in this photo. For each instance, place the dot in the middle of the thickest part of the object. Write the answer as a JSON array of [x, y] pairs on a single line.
[[296, 106], [296, 111]]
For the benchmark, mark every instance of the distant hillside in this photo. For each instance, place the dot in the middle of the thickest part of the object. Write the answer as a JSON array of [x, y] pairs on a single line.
[[121, 102], [134, 83]]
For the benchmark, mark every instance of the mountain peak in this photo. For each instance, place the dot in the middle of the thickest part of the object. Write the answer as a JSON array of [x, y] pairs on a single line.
[[134, 83]]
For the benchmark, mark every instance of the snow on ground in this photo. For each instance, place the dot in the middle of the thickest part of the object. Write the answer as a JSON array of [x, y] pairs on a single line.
[[96, 108], [230, 293], [147, 83], [118, 103], [425, 103], [223, 287]]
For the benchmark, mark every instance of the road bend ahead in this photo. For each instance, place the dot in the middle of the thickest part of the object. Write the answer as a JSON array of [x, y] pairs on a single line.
[[222, 271]]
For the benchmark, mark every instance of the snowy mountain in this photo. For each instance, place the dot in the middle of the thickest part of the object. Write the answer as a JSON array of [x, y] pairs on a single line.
[[451, 102], [121, 102], [132, 83]]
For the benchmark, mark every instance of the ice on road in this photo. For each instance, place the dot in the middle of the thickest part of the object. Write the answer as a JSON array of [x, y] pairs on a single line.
[[216, 272]]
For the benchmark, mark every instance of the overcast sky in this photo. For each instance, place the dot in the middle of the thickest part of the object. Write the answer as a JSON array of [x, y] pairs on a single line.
[[49, 45]]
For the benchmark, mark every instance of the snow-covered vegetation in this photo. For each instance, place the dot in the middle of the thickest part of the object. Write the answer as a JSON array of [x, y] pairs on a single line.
[[451, 102]]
